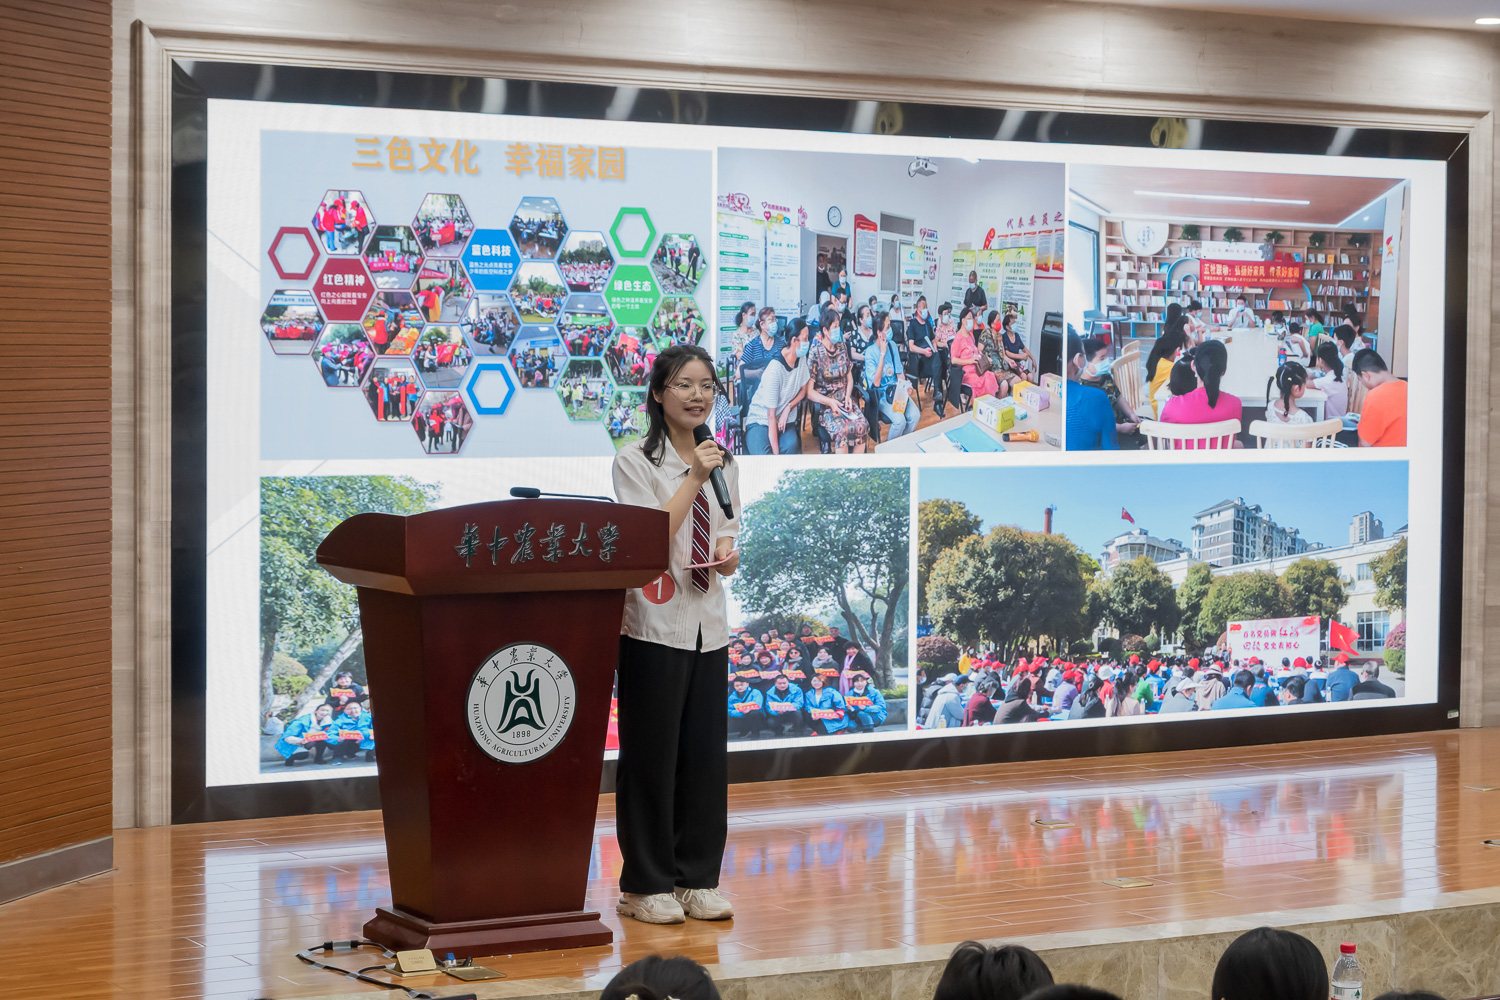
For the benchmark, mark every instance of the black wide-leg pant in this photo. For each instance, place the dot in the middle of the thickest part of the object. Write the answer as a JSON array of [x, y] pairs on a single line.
[[672, 778]]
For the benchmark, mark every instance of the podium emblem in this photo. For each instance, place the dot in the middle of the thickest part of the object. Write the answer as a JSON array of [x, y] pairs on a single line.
[[521, 703]]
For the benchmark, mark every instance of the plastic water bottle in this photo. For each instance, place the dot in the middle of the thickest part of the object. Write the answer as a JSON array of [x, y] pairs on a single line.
[[1348, 977], [1281, 356]]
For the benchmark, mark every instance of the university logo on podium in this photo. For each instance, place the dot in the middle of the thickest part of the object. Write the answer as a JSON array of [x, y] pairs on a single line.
[[521, 703]]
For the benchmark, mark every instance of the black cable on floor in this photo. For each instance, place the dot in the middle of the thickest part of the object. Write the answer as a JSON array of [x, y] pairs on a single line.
[[306, 955]]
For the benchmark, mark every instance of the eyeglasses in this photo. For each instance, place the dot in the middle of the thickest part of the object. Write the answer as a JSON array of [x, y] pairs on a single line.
[[689, 390]]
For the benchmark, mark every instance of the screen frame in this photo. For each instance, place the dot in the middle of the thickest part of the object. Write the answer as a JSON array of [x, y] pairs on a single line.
[[192, 800]]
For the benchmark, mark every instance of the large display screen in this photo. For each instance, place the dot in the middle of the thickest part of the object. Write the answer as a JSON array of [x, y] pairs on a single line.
[[977, 501]]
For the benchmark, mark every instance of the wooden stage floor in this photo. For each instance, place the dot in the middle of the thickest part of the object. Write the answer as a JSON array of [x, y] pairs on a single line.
[[823, 866]]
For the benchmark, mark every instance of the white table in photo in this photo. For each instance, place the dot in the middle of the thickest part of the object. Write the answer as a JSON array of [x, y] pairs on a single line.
[[1252, 362], [1048, 421]]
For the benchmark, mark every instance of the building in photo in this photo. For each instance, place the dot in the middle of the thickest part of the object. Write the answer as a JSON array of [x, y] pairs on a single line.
[[1233, 531], [1138, 542]]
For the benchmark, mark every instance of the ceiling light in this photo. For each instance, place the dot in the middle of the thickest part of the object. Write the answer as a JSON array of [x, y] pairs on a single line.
[[1224, 197], [1487, 20], [1087, 203]]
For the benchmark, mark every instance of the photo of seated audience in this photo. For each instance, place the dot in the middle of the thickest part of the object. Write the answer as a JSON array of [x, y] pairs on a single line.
[[1248, 321]]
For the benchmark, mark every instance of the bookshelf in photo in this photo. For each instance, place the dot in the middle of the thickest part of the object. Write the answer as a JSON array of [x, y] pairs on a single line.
[[1339, 266]]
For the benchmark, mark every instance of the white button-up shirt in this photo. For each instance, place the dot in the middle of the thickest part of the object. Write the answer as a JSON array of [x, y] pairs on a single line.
[[675, 621]]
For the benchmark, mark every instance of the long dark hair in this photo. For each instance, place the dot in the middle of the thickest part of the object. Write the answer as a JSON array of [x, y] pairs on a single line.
[[1287, 377], [1351, 313], [1173, 339], [1182, 379], [1268, 962], [1174, 312], [1210, 361], [1329, 355], [664, 370]]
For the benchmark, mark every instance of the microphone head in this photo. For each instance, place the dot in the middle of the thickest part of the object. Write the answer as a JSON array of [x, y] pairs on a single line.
[[701, 433], [525, 492]]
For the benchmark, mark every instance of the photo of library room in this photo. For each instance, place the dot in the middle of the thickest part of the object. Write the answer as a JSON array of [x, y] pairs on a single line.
[[1218, 309], [888, 303]]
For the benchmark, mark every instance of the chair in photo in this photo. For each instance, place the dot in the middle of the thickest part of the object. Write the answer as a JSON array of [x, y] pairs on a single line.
[[1130, 377], [1315, 435], [1161, 436]]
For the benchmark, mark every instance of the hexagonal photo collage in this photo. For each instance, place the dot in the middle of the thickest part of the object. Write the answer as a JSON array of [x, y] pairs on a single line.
[[405, 312]]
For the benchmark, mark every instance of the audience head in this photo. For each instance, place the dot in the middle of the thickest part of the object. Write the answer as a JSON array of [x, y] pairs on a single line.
[[882, 325], [1290, 381], [657, 978], [1293, 688], [1182, 379], [975, 972], [1345, 334], [1194, 307], [1210, 361], [1244, 680], [1351, 314], [766, 320], [1313, 315], [973, 277], [990, 320], [1070, 991], [323, 712], [1094, 348], [1277, 316], [1370, 368], [1174, 312], [747, 310], [1329, 361], [1173, 339], [1294, 327], [1241, 300], [1268, 962]]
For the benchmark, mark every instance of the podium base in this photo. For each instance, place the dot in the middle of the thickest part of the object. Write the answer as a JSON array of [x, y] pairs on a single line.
[[402, 931]]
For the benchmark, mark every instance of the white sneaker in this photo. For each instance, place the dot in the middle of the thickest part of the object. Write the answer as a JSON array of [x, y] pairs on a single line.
[[658, 908], [704, 904]]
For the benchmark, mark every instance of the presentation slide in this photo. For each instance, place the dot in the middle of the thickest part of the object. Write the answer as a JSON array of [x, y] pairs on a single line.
[[415, 310]]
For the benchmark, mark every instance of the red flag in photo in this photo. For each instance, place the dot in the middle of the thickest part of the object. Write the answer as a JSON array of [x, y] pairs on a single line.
[[1125, 515], [1341, 636]]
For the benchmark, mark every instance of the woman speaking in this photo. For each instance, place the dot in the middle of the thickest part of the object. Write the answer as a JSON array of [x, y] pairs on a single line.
[[672, 779]]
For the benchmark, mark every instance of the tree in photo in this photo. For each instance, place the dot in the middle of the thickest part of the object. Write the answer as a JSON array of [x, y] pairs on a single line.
[[836, 537], [1389, 570], [302, 607], [941, 524], [1141, 599], [1243, 597], [1190, 603], [1317, 588], [1009, 588]]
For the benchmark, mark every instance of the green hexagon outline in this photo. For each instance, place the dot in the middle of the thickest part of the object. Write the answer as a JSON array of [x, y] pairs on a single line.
[[614, 234]]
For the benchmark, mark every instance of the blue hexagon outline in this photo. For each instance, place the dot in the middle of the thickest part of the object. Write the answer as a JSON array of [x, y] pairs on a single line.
[[473, 398]]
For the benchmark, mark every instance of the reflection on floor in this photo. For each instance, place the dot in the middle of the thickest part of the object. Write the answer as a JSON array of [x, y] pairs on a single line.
[[826, 865]]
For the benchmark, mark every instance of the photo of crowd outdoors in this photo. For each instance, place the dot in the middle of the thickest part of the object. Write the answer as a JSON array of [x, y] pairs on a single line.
[[342, 222], [315, 705], [1019, 622], [932, 325], [818, 606], [443, 225], [677, 263], [1277, 318]]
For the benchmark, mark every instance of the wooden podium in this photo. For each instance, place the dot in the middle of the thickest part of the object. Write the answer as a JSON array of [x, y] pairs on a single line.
[[491, 633]]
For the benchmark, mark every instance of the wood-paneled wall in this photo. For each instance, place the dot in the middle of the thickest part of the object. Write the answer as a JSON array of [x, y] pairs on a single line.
[[55, 767]]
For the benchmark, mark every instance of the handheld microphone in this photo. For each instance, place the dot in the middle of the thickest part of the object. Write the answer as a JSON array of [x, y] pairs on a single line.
[[531, 493], [701, 433]]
